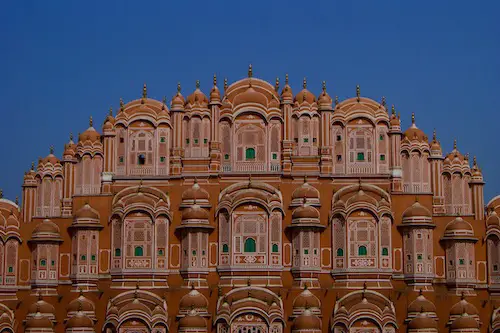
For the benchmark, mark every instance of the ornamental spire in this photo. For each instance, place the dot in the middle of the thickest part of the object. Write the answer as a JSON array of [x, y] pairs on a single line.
[[17, 201], [225, 85], [215, 80], [51, 149], [474, 162], [121, 105], [393, 110], [336, 100], [383, 100], [111, 111], [277, 84], [1, 193], [197, 84], [32, 166], [178, 88], [286, 79], [434, 135], [91, 121], [144, 91], [164, 103], [413, 118], [250, 71], [358, 92], [71, 136], [323, 87], [304, 83], [455, 144]]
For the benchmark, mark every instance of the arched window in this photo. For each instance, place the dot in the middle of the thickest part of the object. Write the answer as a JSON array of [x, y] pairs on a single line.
[[385, 251], [138, 251], [118, 252], [43, 262], [275, 248], [362, 250], [141, 159], [225, 248], [250, 154], [250, 245], [340, 252]]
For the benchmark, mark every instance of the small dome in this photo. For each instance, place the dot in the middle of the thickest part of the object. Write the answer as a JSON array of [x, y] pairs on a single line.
[[50, 158], [39, 322], [493, 219], [463, 306], [157, 311], [395, 121], [197, 97], [306, 299], [464, 321], [81, 303], [422, 322], [108, 126], [178, 100], [416, 210], [305, 212], [135, 306], [415, 133], [87, 212], [421, 304], [305, 96], [195, 212], [12, 221], [324, 100], [215, 93], [42, 307], [306, 321], [46, 230], [80, 320], [286, 93], [306, 191], [192, 320], [90, 134], [458, 225], [193, 300], [195, 192]]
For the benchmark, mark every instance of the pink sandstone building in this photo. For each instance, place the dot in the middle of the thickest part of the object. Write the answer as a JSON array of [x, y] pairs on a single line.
[[251, 210]]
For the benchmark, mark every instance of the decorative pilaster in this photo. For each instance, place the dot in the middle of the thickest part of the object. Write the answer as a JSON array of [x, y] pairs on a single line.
[[395, 136]]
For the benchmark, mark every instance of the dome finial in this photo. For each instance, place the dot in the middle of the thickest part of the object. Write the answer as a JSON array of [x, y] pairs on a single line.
[[215, 79], [304, 83], [144, 91], [225, 85], [1, 193], [197, 84], [393, 110], [323, 87], [383, 100], [250, 70], [474, 162], [178, 88], [17, 201], [164, 102], [455, 144], [32, 166], [413, 118], [434, 135], [286, 78], [51, 149], [358, 92], [336, 100], [71, 136], [111, 111], [277, 84], [121, 104], [91, 121]]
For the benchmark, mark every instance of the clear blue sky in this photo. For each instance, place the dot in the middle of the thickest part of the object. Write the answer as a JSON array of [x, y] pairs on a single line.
[[62, 62]]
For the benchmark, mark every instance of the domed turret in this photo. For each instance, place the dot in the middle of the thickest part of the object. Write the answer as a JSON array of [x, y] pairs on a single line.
[[80, 320], [195, 193], [215, 93], [324, 100], [192, 321], [414, 133], [458, 229], [70, 147], [90, 134], [305, 212], [306, 322], [305, 191], [465, 322], [193, 300], [286, 93], [195, 212], [46, 231], [421, 304], [197, 98], [423, 322], [87, 212], [305, 95], [306, 300], [178, 100], [493, 219], [50, 158]]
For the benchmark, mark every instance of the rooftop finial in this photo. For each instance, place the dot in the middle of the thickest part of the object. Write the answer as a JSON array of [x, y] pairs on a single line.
[[383, 100], [111, 111], [323, 86], [178, 87], [304, 83], [286, 78], [336, 100], [197, 84], [413, 118], [474, 161], [51, 149], [1, 193], [164, 103], [32, 166], [121, 104], [393, 110], [144, 91], [358, 92], [71, 136], [17, 201], [225, 84], [215, 79], [434, 135], [91, 121], [455, 144], [250, 70], [277, 84]]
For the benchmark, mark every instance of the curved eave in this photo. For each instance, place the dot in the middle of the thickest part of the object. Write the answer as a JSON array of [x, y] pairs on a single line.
[[86, 226], [416, 224], [207, 227], [459, 238], [45, 240], [304, 225]]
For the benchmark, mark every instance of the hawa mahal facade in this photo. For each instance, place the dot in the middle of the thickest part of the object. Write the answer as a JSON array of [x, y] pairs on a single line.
[[251, 210]]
